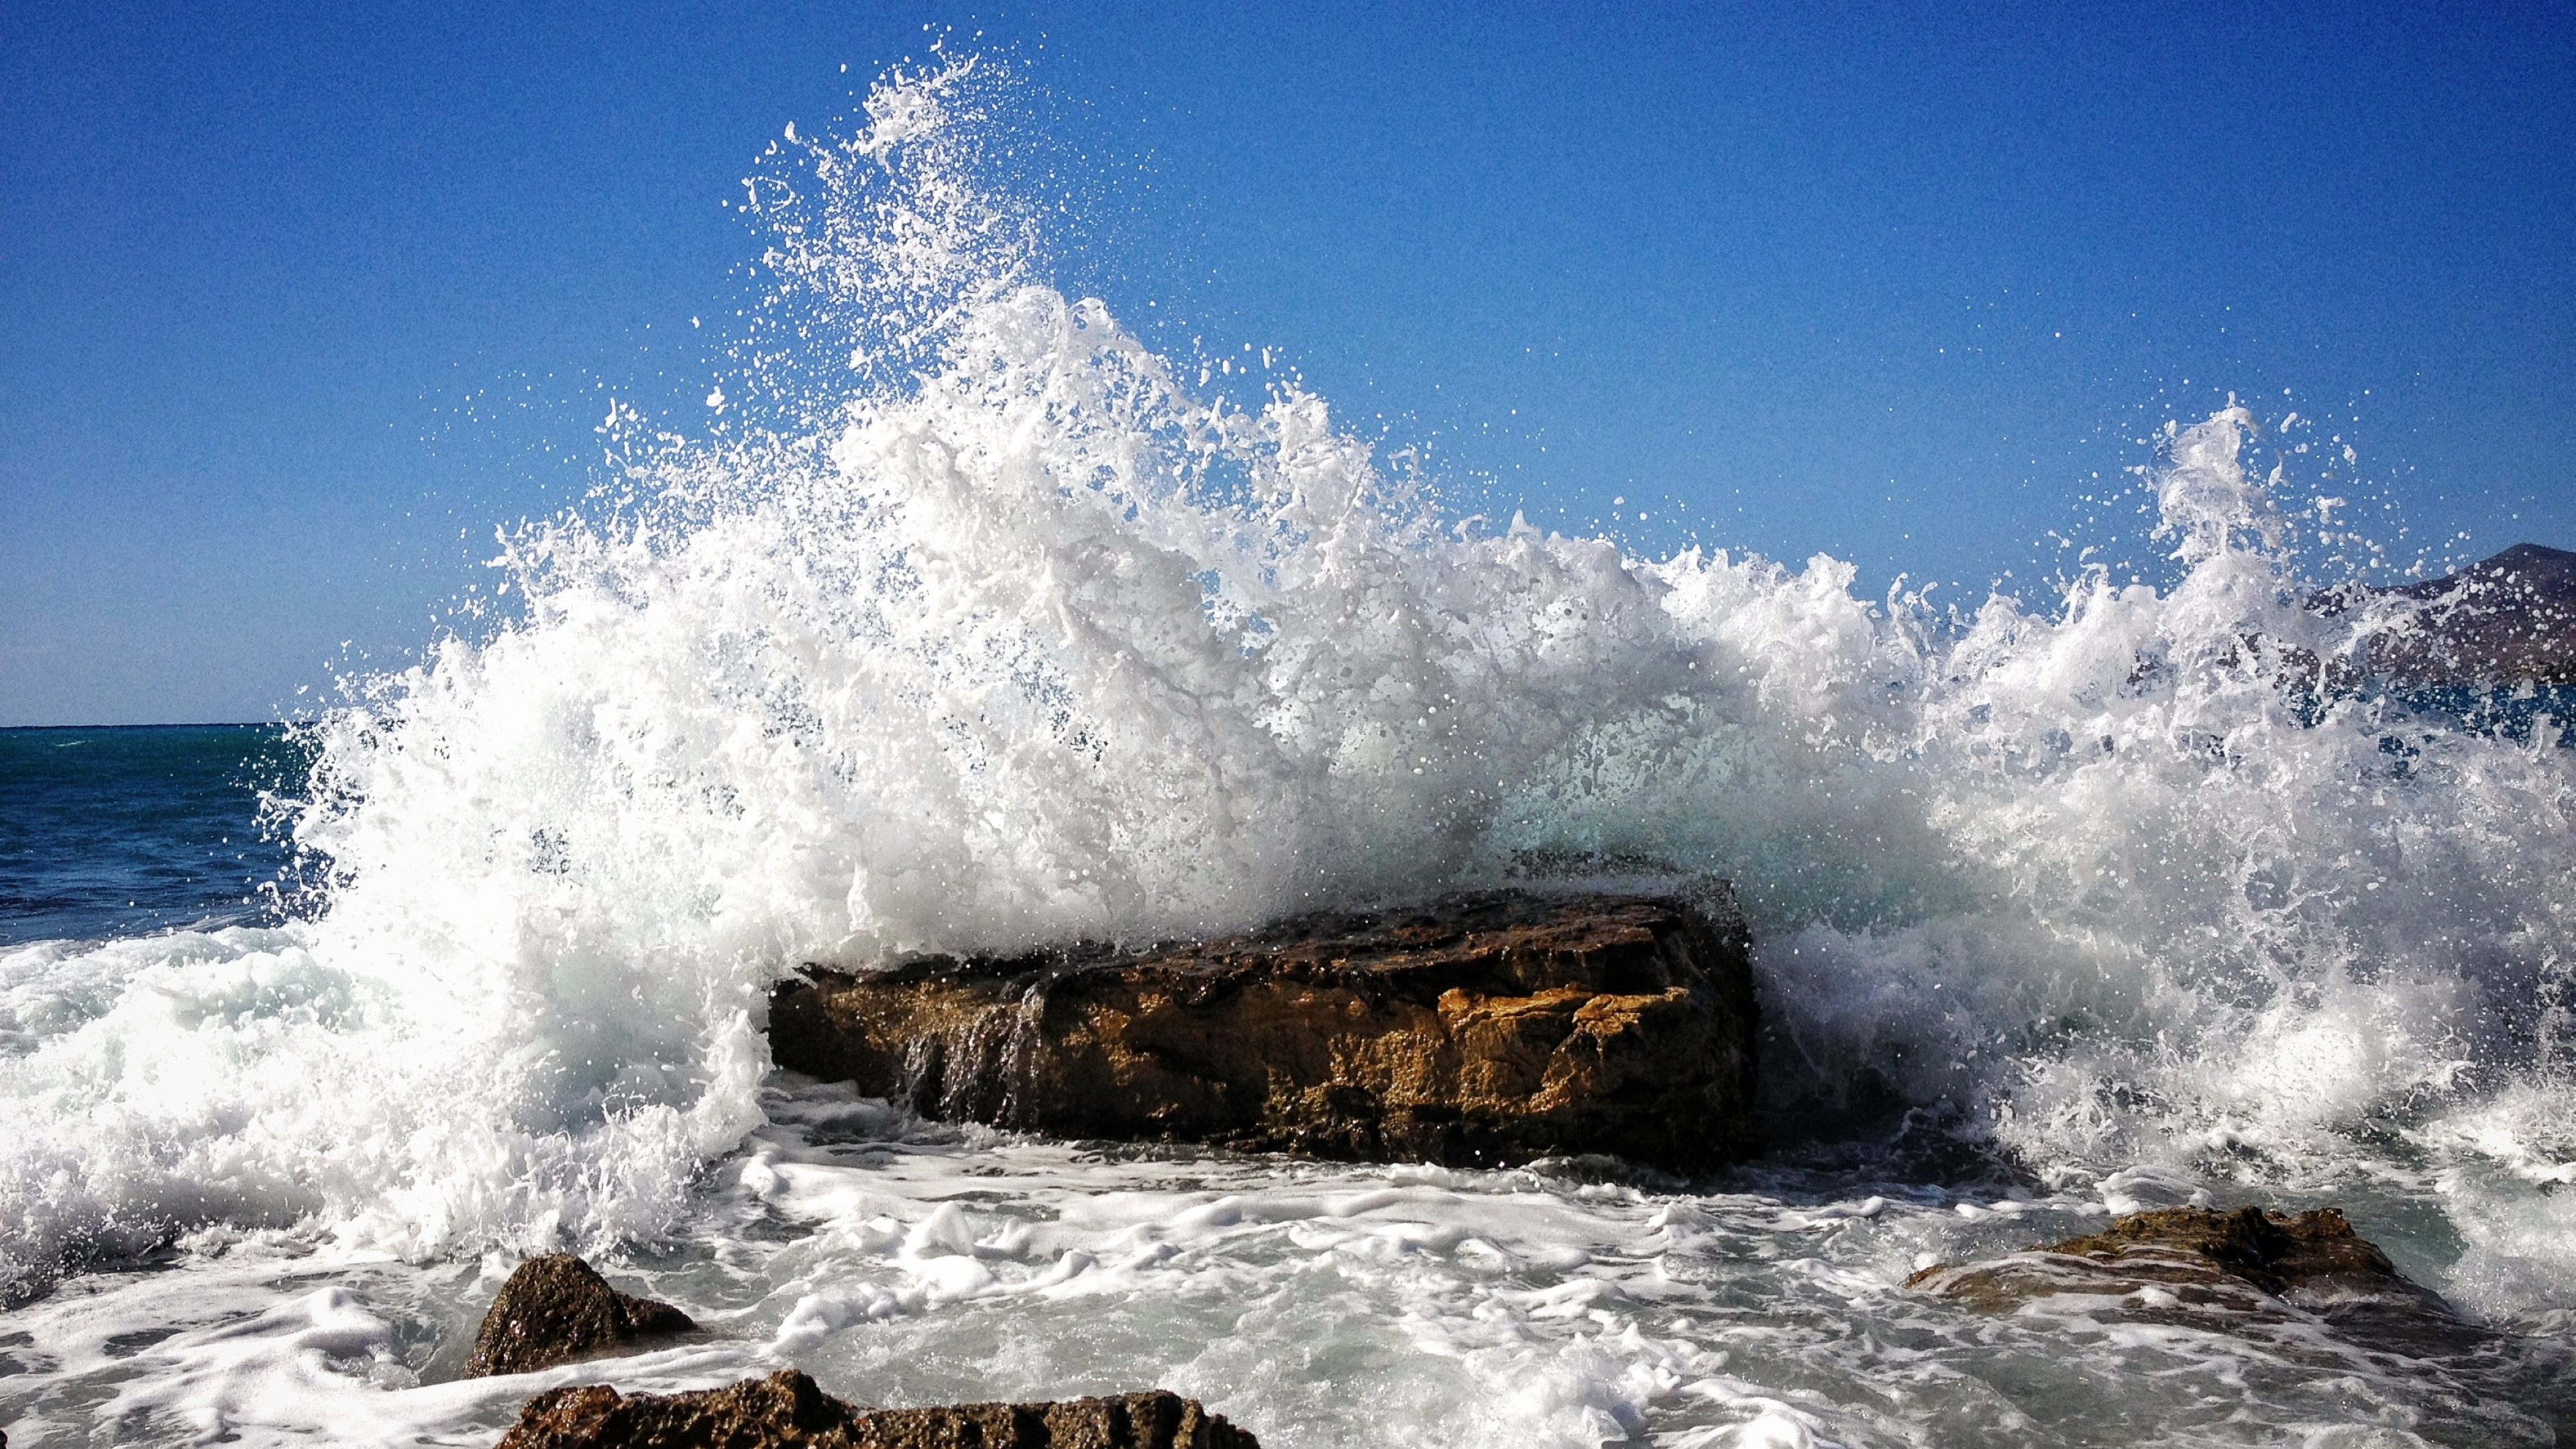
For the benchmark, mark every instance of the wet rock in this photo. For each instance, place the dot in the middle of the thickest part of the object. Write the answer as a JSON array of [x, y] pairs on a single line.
[[2216, 1269], [556, 1309], [1489, 1028], [788, 1409]]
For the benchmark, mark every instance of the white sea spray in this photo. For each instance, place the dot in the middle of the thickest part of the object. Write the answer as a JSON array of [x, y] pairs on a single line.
[[993, 631]]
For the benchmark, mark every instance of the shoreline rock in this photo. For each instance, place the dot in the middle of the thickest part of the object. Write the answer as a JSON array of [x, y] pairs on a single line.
[[557, 1309], [2217, 1269], [1484, 1029], [789, 1409]]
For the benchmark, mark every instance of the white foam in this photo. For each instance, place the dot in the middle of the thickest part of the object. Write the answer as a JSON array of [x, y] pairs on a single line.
[[1317, 1304], [997, 633]]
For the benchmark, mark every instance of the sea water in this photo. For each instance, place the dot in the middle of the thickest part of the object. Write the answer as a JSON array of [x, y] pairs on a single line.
[[982, 625]]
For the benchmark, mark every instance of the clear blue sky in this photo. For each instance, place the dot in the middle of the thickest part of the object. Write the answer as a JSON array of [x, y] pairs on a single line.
[[298, 302]]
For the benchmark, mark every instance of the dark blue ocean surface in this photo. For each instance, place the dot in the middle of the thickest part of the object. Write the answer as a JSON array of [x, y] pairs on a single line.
[[2519, 714], [125, 831]]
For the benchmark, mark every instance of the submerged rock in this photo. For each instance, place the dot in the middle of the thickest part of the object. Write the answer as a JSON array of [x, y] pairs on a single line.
[[789, 1409], [2201, 1265], [556, 1309], [1490, 1028]]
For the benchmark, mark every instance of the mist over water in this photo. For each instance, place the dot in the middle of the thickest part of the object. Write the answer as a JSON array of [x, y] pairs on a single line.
[[978, 625]]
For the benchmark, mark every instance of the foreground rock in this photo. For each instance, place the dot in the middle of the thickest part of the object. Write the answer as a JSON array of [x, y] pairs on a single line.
[[788, 1409], [556, 1309], [1482, 1029], [2216, 1269]]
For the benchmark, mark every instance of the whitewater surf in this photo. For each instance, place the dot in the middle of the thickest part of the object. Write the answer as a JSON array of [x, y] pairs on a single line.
[[983, 626]]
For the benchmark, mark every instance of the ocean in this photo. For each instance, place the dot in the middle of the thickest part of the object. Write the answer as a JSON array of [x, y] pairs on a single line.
[[130, 831], [986, 627]]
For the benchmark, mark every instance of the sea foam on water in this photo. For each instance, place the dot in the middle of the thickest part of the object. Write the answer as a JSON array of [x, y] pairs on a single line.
[[982, 629]]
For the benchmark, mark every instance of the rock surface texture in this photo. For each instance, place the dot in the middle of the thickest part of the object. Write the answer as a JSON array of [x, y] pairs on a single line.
[[2207, 1267], [788, 1409], [556, 1309], [1482, 1029]]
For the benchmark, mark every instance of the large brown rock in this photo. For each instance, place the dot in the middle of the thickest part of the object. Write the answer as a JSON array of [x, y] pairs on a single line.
[[2202, 1266], [1483, 1029], [787, 1409], [556, 1309]]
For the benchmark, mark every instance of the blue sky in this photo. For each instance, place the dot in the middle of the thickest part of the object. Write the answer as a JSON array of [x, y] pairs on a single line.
[[301, 302]]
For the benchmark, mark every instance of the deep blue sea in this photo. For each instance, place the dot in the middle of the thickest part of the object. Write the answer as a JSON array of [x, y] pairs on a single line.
[[122, 831], [128, 830]]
